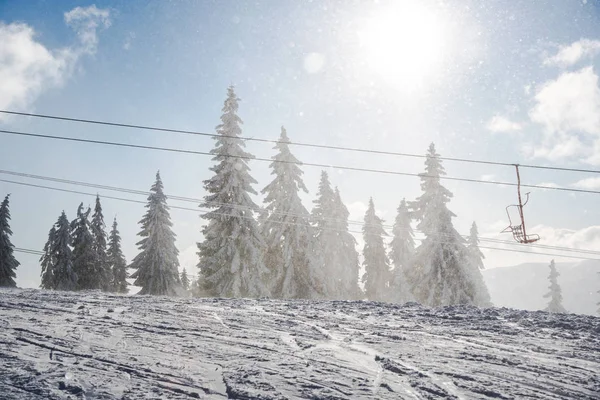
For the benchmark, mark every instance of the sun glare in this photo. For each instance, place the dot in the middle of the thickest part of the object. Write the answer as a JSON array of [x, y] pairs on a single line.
[[403, 43]]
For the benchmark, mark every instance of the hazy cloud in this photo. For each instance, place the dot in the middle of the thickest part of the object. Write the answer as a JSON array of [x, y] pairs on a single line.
[[28, 68], [499, 124], [573, 53], [588, 183], [569, 109]]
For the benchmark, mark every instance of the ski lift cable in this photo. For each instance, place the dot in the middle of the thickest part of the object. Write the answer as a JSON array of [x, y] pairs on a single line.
[[280, 222], [301, 144], [229, 205], [269, 160]]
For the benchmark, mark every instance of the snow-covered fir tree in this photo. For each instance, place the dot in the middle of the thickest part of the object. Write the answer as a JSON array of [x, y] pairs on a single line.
[[156, 265], [8, 262], [376, 263], [231, 255], [441, 273], [475, 255], [290, 256], [348, 264], [322, 218], [48, 260], [57, 265], [555, 293], [85, 262], [402, 248], [98, 231], [116, 261], [185, 280]]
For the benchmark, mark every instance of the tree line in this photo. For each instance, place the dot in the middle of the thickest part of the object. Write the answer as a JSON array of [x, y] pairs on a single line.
[[279, 250]]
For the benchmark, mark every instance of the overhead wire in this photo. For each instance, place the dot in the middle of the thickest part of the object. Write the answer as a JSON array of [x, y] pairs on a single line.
[[281, 222], [293, 143], [319, 165], [220, 204]]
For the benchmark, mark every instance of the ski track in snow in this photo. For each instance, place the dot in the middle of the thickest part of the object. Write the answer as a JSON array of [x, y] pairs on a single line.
[[58, 345]]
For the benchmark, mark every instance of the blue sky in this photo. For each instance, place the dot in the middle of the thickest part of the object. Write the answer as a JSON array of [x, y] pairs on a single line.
[[512, 81]]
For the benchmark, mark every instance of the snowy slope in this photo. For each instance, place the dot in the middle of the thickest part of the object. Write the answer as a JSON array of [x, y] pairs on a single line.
[[523, 286], [57, 345]]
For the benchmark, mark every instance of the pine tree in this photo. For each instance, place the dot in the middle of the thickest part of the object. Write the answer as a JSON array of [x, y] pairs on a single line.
[[185, 280], [325, 234], [48, 260], [345, 251], [475, 255], [156, 265], [376, 262], [286, 228], [8, 262], [57, 267], [116, 262], [98, 231], [231, 261], [401, 254], [85, 265], [441, 273], [555, 293]]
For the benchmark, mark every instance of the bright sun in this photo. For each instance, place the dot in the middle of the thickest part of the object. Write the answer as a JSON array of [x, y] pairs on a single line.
[[403, 43]]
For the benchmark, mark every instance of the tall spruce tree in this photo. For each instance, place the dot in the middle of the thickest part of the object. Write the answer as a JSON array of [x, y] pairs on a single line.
[[376, 263], [57, 266], [402, 249], [116, 262], [325, 234], [98, 231], [555, 293], [185, 280], [441, 273], [290, 255], [85, 263], [156, 265], [348, 264], [8, 262], [231, 261]]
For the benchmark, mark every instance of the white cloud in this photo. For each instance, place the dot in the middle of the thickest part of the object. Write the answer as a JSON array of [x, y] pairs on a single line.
[[128, 40], [499, 123], [28, 68], [545, 186], [587, 238], [548, 184], [569, 103], [357, 211], [488, 177], [588, 183], [86, 21], [569, 110], [573, 53]]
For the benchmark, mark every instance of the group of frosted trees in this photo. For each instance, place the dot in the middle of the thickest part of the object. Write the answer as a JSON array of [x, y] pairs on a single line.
[[287, 252], [79, 255]]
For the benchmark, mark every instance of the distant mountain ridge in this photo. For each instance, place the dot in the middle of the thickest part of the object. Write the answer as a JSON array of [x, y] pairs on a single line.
[[523, 286]]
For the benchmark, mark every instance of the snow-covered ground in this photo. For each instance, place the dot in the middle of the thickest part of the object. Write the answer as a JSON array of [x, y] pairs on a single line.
[[56, 345]]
